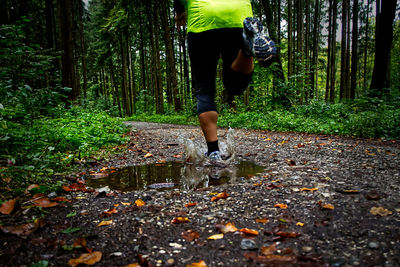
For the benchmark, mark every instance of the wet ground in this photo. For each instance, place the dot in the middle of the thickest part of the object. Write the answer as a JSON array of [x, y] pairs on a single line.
[[318, 201]]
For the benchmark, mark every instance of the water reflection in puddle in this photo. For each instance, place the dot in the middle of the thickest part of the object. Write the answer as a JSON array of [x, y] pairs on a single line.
[[174, 174]]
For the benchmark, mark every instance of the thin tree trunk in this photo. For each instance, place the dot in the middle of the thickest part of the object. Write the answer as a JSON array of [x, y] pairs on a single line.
[[124, 84], [333, 54], [314, 64], [330, 44], [366, 46], [290, 38], [83, 49], [343, 49]]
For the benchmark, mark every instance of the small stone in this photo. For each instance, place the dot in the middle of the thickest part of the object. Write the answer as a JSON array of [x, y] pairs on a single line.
[[175, 245], [52, 195], [307, 249], [116, 254], [373, 245], [337, 263], [170, 261], [248, 244], [162, 251]]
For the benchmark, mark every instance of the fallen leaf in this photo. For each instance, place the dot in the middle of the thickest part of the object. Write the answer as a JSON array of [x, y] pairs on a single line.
[[197, 264], [190, 204], [219, 196], [249, 231], [258, 184], [270, 260], [300, 224], [133, 265], [190, 235], [287, 234], [328, 206], [227, 228], [177, 156], [86, 258], [23, 229], [266, 251], [109, 212], [126, 203], [215, 237], [8, 206], [44, 203], [76, 187], [300, 145], [148, 155], [103, 223], [116, 205], [309, 189], [381, 211], [180, 220], [280, 205], [351, 191], [140, 203], [263, 220]]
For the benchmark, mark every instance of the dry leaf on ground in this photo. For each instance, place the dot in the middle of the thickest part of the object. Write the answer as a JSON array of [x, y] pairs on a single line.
[[8, 206], [140, 203], [262, 220], [309, 189], [249, 231], [190, 235], [219, 196], [381, 211], [180, 220], [104, 223], [86, 258], [228, 228], [215, 237], [190, 204], [197, 264], [280, 205]]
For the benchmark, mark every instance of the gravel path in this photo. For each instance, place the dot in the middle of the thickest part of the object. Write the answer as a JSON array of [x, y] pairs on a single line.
[[321, 201]]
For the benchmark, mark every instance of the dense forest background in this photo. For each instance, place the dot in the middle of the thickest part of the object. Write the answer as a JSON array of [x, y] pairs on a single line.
[[68, 68]]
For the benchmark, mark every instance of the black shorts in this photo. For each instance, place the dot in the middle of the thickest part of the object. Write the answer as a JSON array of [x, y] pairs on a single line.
[[205, 49]]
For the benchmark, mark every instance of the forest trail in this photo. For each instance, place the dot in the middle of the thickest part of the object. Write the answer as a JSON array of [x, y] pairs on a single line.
[[321, 200]]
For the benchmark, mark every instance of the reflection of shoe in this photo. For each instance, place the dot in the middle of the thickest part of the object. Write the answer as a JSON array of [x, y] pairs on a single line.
[[256, 44]]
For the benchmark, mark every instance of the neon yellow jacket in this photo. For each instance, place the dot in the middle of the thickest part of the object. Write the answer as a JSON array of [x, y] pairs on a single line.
[[204, 15]]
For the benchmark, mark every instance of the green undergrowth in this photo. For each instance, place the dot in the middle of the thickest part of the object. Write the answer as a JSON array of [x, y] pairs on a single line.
[[370, 118], [33, 151]]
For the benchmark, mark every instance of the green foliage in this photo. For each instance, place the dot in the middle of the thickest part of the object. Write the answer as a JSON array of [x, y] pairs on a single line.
[[35, 151], [368, 118]]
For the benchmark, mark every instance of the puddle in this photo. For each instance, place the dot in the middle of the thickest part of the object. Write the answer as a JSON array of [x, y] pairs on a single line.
[[174, 175]]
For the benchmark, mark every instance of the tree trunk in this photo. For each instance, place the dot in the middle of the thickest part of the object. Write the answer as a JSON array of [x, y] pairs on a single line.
[[67, 56], [329, 65], [290, 38], [314, 64], [171, 73], [384, 38], [333, 54], [124, 73], [366, 46], [343, 50], [83, 49]]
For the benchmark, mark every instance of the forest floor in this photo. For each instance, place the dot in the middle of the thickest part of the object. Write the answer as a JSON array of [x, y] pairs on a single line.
[[320, 201]]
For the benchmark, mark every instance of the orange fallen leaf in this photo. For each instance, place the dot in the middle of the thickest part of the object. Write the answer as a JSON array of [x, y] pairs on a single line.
[[190, 235], [133, 265], [249, 231], [8, 206], [280, 205], [263, 220], [381, 211], [177, 156], [300, 224], [271, 260], [227, 228], [215, 237], [104, 223], [190, 204], [148, 155], [350, 191], [126, 203], [109, 212], [86, 258], [309, 189], [180, 220], [219, 196], [328, 206], [197, 264], [140, 203], [258, 184], [116, 205]]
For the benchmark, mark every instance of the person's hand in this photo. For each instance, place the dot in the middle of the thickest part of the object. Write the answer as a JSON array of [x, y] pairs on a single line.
[[180, 20]]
